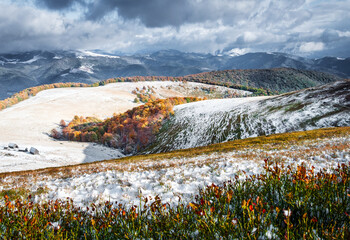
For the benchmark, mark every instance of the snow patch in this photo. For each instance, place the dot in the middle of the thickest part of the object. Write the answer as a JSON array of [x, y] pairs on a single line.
[[83, 68], [34, 59], [237, 52], [85, 53]]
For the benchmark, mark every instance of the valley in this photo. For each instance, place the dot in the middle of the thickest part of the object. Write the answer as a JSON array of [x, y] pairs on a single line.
[[30, 122]]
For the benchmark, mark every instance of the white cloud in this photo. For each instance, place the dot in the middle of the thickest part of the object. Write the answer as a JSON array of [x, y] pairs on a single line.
[[249, 37], [311, 46], [343, 34], [208, 25]]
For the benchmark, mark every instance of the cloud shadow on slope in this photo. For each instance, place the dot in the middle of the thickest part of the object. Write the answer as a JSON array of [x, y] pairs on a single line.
[[96, 152]]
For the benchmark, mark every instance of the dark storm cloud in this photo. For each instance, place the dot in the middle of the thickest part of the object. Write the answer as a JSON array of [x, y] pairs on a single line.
[[237, 26], [160, 13], [153, 13], [329, 35], [56, 4]]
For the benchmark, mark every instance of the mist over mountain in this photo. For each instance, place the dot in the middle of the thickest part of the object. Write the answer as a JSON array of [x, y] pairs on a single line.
[[26, 69]]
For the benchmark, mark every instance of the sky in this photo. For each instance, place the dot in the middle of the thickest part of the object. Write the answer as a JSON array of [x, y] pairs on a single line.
[[310, 28]]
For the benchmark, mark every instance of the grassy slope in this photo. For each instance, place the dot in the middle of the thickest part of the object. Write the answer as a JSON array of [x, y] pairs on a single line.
[[313, 108], [274, 141], [283, 202]]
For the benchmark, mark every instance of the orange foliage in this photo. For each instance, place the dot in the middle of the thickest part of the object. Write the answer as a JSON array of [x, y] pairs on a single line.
[[129, 131]]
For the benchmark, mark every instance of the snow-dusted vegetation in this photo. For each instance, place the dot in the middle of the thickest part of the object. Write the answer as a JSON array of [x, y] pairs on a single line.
[[214, 121], [174, 177], [293, 185]]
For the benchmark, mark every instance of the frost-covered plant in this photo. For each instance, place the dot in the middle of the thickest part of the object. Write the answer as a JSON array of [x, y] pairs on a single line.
[[283, 202]]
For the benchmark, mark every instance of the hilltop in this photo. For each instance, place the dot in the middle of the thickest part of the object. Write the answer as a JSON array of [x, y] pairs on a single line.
[[29, 122], [214, 121], [159, 126]]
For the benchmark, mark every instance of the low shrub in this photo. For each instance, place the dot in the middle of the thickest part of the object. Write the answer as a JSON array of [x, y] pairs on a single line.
[[281, 203]]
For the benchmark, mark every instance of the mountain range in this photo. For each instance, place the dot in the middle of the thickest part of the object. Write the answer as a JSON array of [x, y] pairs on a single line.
[[27, 69]]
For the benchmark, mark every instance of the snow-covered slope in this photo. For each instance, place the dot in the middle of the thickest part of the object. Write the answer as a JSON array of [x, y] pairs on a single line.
[[214, 121], [174, 177], [29, 122]]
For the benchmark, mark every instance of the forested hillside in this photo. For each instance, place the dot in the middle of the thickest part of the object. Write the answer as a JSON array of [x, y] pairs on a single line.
[[275, 80], [130, 131]]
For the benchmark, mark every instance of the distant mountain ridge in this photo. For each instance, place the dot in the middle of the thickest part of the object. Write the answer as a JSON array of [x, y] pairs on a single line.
[[262, 60], [27, 69]]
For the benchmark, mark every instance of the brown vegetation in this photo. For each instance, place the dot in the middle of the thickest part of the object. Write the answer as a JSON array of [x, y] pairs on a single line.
[[130, 131]]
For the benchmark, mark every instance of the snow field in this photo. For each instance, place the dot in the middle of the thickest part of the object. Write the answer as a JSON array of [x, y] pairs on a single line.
[[29, 122]]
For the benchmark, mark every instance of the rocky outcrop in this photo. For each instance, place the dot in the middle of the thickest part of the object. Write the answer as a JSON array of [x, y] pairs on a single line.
[[34, 151], [13, 145]]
